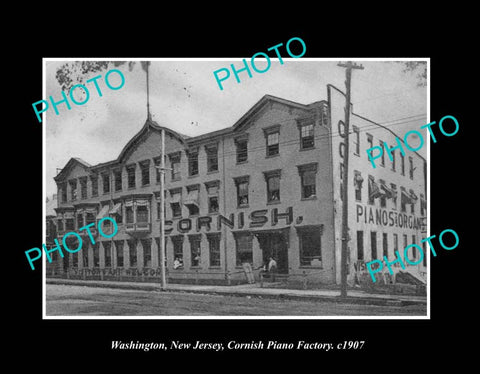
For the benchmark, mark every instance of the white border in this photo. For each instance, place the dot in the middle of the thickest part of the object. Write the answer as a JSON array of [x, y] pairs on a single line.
[[44, 124]]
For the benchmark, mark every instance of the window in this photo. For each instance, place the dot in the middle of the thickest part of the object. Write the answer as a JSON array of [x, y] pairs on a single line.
[[142, 214], [79, 220], [212, 158], [403, 200], [273, 143], [383, 197], [356, 140], [73, 189], [195, 249], [244, 253], [175, 166], [395, 243], [96, 255], [393, 159], [107, 246], [192, 163], [117, 178], [129, 214], [83, 187], [385, 244], [94, 181], [373, 243], [310, 246], [177, 241], [307, 140], [147, 252], [132, 252], [106, 183], [192, 199], [70, 224], [145, 171], [242, 150], [119, 249], [405, 241], [411, 168], [131, 176], [242, 191], [424, 262], [394, 196], [357, 182], [212, 193], [60, 225], [63, 192], [423, 205], [176, 210], [213, 204], [360, 251], [414, 249], [370, 140], [382, 159], [214, 249], [402, 163], [373, 190], [273, 185], [308, 174]]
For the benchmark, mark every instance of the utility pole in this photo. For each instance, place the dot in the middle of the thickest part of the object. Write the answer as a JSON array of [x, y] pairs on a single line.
[[343, 271], [163, 283], [161, 168]]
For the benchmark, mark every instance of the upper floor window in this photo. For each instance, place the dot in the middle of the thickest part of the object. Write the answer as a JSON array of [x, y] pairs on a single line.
[[106, 182], [307, 139], [193, 163], [117, 178], [273, 147], [411, 168], [273, 185], [308, 175], [145, 171], [73, 189], [242, 150], [83, 187], [212, 158], [94, 181], [175, 166], [242, 191], [131, 176]]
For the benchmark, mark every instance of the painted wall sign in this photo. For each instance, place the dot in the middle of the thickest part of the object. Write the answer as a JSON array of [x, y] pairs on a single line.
[[257, 218], [388, 218]]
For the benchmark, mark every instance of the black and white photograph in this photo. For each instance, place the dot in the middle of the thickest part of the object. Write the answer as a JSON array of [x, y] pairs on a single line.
[[206, 189], [240, 199]]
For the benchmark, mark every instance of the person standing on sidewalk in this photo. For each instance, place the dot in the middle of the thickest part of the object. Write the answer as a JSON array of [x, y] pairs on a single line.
[[272, 268]]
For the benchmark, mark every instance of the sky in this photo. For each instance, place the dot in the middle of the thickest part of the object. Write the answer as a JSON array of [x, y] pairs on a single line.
[[185, 97]]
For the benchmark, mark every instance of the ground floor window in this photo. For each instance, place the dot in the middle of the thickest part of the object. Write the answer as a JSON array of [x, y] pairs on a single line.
[[132, 252], [195, 250], [119, 249], [214, 249], [177, 251], [244, 252], [360, 250], [310, 246], [107, 246]]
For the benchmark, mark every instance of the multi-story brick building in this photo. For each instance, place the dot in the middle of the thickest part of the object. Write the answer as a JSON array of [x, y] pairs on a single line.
[[266, 186]]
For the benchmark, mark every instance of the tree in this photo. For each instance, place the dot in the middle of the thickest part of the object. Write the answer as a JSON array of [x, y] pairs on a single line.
[[72, 73], [416, 67]]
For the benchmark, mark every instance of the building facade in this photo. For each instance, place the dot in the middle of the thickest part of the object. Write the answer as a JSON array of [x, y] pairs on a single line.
[[267, 186]]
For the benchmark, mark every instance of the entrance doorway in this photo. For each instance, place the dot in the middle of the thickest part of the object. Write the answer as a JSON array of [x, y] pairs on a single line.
[[275, 243]]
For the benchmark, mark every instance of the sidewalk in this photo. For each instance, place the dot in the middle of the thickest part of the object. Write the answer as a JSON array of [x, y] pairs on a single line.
[[254, 290]]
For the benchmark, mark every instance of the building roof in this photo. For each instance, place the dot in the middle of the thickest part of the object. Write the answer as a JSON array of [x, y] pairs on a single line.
[[50, 206]]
